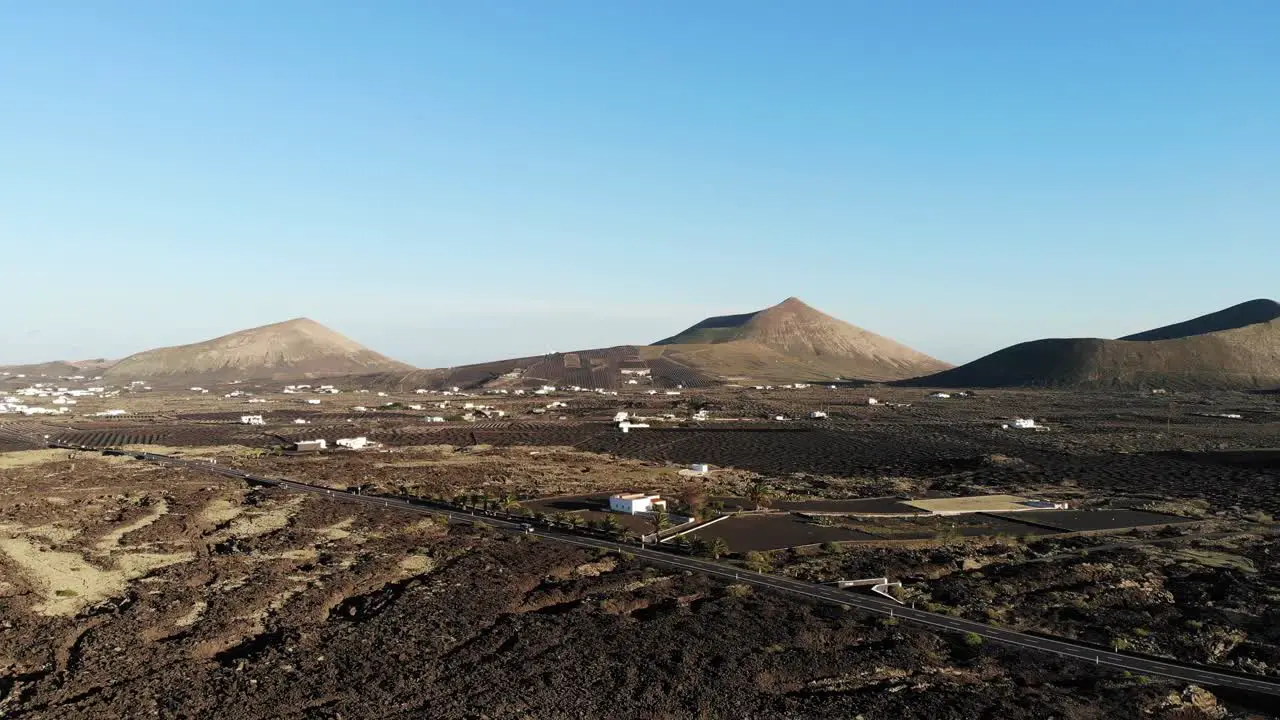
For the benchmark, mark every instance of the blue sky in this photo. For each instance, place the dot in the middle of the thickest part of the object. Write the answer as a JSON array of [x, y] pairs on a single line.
[[461, 181]]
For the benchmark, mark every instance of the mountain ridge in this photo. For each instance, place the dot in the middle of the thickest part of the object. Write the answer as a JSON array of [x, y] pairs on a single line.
[[1243, 354], [292, 349]]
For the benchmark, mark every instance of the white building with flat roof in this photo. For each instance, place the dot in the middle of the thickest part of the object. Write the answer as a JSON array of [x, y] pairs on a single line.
[[632, 503]]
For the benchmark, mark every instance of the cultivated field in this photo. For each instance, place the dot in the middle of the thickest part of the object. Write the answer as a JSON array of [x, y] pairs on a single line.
[[228, 585]]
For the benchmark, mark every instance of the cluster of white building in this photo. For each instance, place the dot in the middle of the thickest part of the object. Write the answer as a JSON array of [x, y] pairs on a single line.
[[58, 396], [352, 443], [322, 389], [1019, 423]]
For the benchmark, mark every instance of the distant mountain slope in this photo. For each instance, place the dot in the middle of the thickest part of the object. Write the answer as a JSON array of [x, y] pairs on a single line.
[[599, 368], [792, 340], [59, 368], [1236, 316], [1245, 357], [295, 349]]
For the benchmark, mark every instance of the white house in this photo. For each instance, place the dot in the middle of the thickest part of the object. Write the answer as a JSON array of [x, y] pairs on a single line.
[[872, 401], [621, 415], [299, 421], [252, 420], [311, 445], [1024, 423], [313, 401], [700, 468], [434, 418], [817, 415], [940, 395], [632, 503], [355, 443]]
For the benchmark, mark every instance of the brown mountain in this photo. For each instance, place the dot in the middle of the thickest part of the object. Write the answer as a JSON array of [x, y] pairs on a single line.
[[791, 341], [295, 349], [784, 343], [1236, 348], [59, 368]]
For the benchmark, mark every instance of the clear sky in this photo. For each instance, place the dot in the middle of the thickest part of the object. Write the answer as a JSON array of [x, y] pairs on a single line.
[[462, 181]]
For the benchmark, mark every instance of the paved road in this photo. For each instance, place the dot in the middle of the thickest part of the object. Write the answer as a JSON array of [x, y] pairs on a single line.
[[1142, 666]]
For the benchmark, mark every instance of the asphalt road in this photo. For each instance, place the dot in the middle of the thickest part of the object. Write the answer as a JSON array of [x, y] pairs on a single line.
[[1141, 666]]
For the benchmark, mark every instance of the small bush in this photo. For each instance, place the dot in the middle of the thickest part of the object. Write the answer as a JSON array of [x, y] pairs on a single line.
[[739, 590], [1141, 632], [972, 639], [758, 562]]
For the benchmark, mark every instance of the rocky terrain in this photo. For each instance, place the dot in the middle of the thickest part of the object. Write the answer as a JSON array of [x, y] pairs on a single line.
[[136, 591]]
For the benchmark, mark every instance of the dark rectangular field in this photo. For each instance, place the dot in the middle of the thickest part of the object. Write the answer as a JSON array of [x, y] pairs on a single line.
[[774, 532], [929, 527], [1084, 520], [869, 506]]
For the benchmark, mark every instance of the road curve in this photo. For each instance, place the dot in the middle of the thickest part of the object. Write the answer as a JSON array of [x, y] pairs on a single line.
[[1066, 648]]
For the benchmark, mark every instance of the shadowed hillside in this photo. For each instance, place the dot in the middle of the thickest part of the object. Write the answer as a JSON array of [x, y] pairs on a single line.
[[1236, 316], [1239, 357]]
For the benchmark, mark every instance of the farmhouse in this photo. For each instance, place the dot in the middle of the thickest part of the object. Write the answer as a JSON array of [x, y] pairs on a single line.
[[355, 443], [311, 445], [940, 395], [817, 415], [632, 503], [251, 420]]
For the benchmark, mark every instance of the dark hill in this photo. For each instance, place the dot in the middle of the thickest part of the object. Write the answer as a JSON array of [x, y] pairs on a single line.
[[1246, 357], [1236, 316]]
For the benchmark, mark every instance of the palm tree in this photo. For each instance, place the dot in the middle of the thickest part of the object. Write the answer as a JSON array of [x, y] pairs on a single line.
[[573, 520], [560, 518], [717, 547], [661, 520], [759, 495], [612, 524]]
